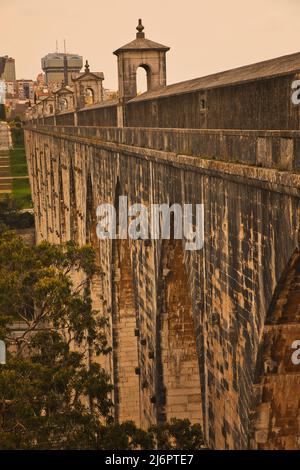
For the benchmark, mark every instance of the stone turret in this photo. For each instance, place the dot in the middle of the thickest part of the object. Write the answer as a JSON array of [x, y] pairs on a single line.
[[63, 99], [141, 52], [88, 88]]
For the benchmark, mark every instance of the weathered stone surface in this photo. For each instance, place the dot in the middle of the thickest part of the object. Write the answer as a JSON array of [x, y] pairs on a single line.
[[251, 233]]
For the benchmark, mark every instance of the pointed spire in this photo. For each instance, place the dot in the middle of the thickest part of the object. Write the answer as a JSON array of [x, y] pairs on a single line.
[[140, 28], [87, 67]]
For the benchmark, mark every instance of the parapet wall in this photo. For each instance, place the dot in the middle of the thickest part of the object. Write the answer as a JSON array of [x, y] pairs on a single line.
[[260, 104], [269, 149]]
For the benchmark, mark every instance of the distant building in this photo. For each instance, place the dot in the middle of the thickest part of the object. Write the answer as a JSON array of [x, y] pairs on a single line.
[[41, 79], [59, 67], [88, 87], [25, 89], [110, 94], [41, 91], [10, 89], [7, 69], [2, 92]]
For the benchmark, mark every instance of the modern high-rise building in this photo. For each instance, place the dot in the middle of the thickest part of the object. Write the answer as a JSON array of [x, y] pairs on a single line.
[[60, 67], [7, 69]]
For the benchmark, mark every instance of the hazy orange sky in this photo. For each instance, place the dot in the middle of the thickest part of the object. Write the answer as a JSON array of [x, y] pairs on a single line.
[[204, 36]]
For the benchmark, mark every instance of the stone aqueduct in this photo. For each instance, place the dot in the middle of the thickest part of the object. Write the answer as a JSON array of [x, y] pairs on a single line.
[[207, 334]]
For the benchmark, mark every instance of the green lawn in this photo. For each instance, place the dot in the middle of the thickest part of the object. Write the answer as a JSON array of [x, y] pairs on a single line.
[[18, 164], [21, 192], [18, 167]]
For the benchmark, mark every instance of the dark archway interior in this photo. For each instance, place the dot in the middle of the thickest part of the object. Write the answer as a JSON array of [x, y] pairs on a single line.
[[178, 370], [73, 208], [125, 348], [277, 416], [143, 79]]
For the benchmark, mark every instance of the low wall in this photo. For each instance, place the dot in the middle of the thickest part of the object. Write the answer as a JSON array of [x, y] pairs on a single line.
[[270, 149], [98, 116]]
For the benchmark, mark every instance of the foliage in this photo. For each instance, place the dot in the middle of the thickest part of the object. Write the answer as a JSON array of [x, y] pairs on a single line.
[[21, 192], [36, 286], [18, 163], [178, 434], [42, 397], [53, 392], [50, 398], [11, 216], [17, 134]]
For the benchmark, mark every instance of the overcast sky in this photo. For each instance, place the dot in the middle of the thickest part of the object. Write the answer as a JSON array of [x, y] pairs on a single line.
[[205, 36]]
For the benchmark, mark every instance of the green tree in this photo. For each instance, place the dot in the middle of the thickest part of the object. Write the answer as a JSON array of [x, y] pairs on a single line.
[[52, 394], [178, 434], [11, 215]]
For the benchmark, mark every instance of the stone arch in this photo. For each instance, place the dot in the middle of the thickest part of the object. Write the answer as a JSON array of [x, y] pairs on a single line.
[[63, 104], [89, 96], [91, 219], [178, 378], [62, 207], [125, 346], [148, 72], [277, 379], [74, 229], [96, 282]]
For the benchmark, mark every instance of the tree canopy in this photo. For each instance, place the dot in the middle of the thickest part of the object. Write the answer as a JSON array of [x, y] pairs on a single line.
[[53, 393]]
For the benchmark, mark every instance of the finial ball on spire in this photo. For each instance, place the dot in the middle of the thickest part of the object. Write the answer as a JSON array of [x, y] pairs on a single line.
[[87, 67], [140, 28]]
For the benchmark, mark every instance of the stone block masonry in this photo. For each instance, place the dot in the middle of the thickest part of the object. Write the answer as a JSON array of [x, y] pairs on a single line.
[[203, 335], [185, 344]]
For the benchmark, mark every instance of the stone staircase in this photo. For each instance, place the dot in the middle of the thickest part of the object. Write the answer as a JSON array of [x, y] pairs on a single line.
[[5, 145]]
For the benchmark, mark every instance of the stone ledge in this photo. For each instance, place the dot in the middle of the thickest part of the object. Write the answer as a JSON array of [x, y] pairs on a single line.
[[284, 182]]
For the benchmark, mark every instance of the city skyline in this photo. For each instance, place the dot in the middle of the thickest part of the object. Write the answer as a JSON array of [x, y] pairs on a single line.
[[263, 32]]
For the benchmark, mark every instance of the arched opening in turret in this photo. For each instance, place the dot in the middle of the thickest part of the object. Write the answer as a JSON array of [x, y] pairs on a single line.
[[178, 378], [88, 96], [63, 104], [143, 79], [277, 382], [125, 347]]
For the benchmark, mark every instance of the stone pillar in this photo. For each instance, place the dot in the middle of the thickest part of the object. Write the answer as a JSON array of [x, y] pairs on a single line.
[[121, 115]]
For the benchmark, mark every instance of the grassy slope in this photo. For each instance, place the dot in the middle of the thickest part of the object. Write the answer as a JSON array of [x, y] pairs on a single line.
[[18, 167], [18, 164]]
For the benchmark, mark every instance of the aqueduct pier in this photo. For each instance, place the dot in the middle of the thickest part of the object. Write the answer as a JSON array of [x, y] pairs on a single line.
[[205, 335]]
